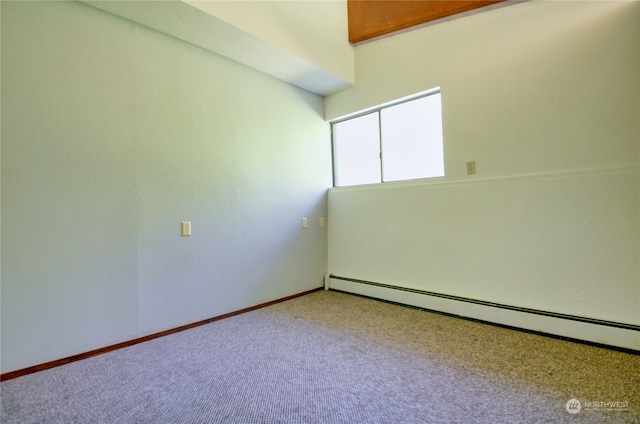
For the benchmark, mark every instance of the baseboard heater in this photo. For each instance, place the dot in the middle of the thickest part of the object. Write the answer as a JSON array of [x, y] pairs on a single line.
[[618, 335]]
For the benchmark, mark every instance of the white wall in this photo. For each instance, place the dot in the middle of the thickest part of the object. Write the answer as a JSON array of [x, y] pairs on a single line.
[[315, 31], [544, 95], [113, 134]]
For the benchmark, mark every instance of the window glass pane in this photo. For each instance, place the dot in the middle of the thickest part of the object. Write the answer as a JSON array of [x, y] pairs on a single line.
[[412, 140], [356, 144]]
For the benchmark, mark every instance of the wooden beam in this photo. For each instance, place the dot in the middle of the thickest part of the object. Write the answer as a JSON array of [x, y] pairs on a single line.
[[373, 18]]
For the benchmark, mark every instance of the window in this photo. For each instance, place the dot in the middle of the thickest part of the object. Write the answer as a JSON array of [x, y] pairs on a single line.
[[393, 142]]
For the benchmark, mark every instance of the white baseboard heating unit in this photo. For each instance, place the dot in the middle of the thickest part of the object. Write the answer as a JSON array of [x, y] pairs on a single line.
[[622, 336]]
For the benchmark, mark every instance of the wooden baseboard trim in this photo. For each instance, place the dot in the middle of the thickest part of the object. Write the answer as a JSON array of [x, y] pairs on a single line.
[[100, 351]]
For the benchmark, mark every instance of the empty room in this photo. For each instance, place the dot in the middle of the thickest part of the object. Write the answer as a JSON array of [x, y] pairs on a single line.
[[320, 211]]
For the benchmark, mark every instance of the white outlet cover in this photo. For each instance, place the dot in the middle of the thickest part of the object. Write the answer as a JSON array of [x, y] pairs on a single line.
[[186, 228]]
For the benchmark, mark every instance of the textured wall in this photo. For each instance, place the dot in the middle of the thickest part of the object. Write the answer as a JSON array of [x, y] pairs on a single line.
[[565, 242], [113, 134], [544, 96]]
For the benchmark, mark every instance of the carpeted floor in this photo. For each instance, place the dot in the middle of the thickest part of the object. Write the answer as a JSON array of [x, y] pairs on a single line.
[[331, 357]]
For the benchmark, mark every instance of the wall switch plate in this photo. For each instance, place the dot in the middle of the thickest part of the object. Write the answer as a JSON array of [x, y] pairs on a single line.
[[305, 224], [471, 167], [185, 228], [321, 222]]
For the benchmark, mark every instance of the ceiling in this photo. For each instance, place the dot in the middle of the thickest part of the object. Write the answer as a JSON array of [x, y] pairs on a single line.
[[308, 43], [369, 19]]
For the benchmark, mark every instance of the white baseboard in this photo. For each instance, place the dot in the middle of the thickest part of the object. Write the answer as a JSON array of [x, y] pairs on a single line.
[[620, 335]]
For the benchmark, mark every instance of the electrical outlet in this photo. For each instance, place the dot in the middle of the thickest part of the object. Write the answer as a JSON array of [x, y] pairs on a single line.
[[185, 228], [471, 167]]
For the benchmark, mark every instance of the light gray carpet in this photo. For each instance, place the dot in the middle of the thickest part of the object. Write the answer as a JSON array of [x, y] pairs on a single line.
[[330, 357]]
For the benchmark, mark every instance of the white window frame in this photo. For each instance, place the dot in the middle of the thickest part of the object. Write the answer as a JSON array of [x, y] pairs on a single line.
[[377, 109]]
